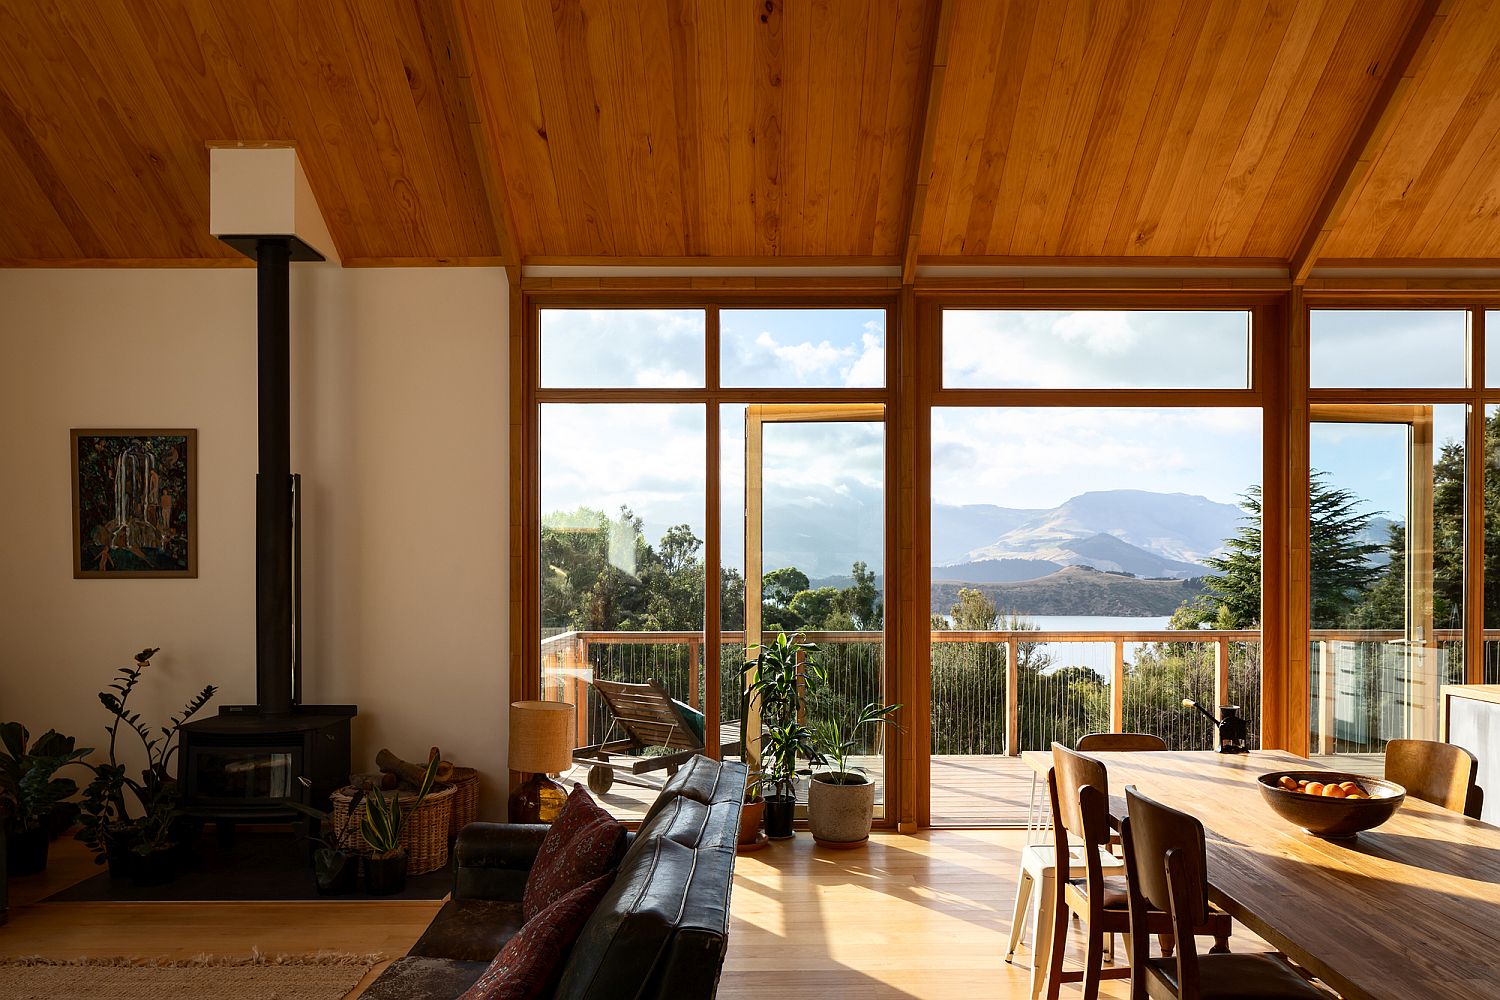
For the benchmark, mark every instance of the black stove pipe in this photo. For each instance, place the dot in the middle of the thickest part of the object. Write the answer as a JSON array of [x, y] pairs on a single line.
[[273, 482]]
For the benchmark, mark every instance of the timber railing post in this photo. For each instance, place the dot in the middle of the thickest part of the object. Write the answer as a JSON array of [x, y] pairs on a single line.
[[1221, 672], [693, 660], [1012, 697], [1117, 690], [1327, 696]]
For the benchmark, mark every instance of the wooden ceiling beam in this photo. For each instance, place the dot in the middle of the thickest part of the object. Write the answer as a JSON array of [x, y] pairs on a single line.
[[1381, 114], [920, 170], [447, 23]]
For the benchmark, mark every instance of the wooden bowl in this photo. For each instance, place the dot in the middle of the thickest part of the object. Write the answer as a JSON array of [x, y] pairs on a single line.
[[1335, 819]]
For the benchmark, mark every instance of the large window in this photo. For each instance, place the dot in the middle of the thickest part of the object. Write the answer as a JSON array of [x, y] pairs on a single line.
[[1386, 526], [644, 417], [1092, 565]]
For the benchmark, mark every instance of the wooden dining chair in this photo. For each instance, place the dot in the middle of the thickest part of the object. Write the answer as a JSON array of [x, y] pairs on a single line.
[[1440, 773], [1078, 786], [1166, 865], [1117, 742]]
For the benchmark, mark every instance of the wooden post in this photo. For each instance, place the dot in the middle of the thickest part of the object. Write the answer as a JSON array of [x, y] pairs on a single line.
[[1012, 697], [1117, 690], [1221, 672], [693, 660], [581, 676], [1327, 695]]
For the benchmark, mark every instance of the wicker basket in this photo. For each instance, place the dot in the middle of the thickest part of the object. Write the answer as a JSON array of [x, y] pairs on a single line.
[[424, 831], [465, 801]]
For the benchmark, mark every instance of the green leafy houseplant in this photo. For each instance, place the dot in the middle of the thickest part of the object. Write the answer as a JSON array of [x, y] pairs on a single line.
[[779, 681], [381, 824], [841, 800], [837, 737], [31, 793], [335, 866], [109, 824]]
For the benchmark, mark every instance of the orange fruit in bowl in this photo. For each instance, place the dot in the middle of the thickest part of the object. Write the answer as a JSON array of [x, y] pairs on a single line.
[[1288, 782], [1314, 788], [1350, 787], [1334, 792]]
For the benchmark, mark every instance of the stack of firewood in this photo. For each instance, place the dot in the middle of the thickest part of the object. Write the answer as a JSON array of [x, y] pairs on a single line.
[[397, 773]]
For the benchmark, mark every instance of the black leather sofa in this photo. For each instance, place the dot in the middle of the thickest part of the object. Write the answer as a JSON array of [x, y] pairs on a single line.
[[659, 933]]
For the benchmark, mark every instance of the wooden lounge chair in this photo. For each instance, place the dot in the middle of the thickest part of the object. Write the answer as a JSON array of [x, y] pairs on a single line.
[[644, 716]]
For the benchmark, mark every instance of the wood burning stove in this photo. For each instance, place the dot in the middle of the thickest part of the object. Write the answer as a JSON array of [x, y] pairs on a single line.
[[245, 763]]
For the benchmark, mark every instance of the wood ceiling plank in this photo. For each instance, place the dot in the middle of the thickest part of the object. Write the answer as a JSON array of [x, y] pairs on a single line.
[[1383, 110], [1267, 138], [451, 50], [509, 92], [868, 163], [956, 110], [739, 57], [1041, 58], [682, 32], [1116, 131], [1240, 78], [1196, 115], [1125, 234], [906, 122], [1458, 161], [1074, 104], [770, 138]]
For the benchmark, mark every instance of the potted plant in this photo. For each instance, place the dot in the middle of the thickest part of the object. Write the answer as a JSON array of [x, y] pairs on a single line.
[[335, 866], [841, 800], [384, 816], [31, 793], [752, 813], [136, 838], [778, 680]]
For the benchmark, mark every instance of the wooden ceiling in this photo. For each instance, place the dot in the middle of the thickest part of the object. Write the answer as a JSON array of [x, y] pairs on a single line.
[[882, 131]]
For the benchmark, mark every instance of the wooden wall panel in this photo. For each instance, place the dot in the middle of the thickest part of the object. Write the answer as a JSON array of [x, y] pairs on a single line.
[[686, 128], [106, 108], [1169, 128], [1433, 187]]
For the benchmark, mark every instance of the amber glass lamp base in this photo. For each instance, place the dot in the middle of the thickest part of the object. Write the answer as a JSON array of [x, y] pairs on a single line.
[[539, 800]]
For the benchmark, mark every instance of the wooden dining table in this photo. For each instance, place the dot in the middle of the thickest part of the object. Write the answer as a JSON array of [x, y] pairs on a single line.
[[1407, 911]]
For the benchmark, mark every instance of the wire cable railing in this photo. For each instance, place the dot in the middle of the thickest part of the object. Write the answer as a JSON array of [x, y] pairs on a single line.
[[1004, 691]]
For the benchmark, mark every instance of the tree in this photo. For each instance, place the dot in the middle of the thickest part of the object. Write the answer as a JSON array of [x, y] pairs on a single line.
[[1343, 569]]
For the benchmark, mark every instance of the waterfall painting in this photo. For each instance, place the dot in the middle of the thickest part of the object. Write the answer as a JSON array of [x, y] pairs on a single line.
[[134, 504]]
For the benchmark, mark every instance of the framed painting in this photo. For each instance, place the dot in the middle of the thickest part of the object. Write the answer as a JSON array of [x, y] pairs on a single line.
[[135, 503]]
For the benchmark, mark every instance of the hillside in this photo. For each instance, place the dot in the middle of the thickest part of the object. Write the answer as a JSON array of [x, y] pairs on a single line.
[[1077, 590]]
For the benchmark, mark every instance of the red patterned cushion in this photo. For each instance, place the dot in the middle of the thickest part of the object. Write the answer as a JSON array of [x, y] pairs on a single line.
[[530, 964], [584, 843]]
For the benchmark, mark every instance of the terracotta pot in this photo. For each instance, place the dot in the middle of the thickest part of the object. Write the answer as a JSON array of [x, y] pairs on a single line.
[[840, 807], [751, 814]]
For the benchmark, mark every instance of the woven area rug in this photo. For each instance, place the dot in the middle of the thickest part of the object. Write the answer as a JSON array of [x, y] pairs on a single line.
[[279, 977]]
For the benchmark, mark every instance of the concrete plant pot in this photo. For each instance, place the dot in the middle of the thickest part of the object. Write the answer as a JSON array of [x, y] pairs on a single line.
[[839, 815]]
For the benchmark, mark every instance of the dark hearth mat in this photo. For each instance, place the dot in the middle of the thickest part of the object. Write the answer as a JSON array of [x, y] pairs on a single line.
[[252, 866]]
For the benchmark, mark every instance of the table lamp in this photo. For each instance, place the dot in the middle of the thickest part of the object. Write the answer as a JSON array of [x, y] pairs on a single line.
[[541, 743]]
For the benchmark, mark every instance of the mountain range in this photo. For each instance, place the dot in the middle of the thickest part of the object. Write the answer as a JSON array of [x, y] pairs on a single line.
[[1146, 534]]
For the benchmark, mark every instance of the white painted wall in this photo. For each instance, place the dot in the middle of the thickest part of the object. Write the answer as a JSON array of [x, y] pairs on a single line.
[[399, 428]]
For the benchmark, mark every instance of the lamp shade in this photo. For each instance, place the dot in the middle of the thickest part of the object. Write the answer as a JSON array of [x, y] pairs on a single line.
[[541, 736]]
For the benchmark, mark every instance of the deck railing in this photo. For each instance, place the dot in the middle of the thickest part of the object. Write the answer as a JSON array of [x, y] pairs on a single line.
[[1004, 691]]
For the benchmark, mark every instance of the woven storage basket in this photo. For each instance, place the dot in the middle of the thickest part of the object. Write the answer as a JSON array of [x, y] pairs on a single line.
[[424, 831], [465, 800]]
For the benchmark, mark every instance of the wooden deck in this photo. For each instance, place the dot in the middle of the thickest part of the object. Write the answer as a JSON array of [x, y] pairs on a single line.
[[968, 792], [978, 791]]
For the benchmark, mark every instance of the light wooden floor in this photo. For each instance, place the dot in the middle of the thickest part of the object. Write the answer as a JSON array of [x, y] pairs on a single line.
[[922, 916]]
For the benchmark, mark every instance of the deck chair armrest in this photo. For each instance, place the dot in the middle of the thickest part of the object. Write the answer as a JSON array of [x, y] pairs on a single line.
[[493, 860]]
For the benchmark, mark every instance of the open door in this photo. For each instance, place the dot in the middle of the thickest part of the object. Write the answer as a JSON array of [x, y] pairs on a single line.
[[1377, 661], [814, 508]]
